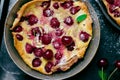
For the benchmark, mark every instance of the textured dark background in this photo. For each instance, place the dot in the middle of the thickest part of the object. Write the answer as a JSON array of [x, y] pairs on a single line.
[[109, 48]]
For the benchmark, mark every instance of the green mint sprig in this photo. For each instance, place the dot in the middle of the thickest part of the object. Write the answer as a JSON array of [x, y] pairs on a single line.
[[81, 18]]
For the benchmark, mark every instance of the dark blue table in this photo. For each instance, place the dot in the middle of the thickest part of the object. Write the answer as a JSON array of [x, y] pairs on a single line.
[[109, 48]]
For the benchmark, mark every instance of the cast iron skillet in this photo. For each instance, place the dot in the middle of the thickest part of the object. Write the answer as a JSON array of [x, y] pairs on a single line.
[[78, 67], [104, 10]]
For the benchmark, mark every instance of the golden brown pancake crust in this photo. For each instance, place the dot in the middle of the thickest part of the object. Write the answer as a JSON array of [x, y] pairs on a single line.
[[69, 57]]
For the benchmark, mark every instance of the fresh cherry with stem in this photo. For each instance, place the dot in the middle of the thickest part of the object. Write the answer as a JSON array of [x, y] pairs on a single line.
[[103, 63], [117, 65]]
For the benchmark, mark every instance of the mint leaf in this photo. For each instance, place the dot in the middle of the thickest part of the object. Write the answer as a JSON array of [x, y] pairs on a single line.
[[102, 75], [81, 18]]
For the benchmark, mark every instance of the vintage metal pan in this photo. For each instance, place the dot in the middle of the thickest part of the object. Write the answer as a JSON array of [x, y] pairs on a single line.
[[104, 10], [78, 67]]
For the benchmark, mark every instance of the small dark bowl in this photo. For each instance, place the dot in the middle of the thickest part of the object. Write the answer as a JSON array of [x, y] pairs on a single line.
[[78, 67], [104, 10]]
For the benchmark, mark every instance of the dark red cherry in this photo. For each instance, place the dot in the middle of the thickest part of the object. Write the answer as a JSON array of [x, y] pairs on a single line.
[[67, 40], [48, 67], [58, 32], [71, 47], [47, 12], [84, 36], [36, 62], [74, 10], [19, 37], [38, 52], [29, 48], [48, 54], [110, 1], [32, 19], [117, 64], [57, 44], [56, 5], [17, 29], [116, 2], [117, 13], [54, 22], [35, 31], [67, 4], [46, 39], [69, 21], [58, 55], [112, 8], [103, 63], [45, 4]]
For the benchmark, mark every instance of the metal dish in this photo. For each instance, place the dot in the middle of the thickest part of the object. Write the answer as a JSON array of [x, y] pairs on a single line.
[[104, 10], [78, 67]]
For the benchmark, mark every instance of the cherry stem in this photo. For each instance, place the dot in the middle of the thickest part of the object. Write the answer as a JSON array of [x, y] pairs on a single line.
[[112, 73], [102, 74]]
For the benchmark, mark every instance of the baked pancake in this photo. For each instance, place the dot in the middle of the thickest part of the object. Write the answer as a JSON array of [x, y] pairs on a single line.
[[113, 9], [52, 35]]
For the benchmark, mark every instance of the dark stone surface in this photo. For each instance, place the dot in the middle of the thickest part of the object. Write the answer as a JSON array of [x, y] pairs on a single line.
[[109, 48]]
